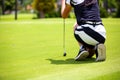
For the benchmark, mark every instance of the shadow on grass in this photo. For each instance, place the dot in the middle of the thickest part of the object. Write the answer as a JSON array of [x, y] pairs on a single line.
[[71, 61]]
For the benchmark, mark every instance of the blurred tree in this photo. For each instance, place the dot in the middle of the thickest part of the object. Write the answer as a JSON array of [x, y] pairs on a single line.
[[118, 8], [107, 7], [26, 2], [112, 4], [103, 8], [111, 7], [43, 7], [9, 4], [2, 6]]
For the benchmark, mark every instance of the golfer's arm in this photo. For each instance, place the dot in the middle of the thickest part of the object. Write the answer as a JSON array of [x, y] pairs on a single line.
[[65, 10]]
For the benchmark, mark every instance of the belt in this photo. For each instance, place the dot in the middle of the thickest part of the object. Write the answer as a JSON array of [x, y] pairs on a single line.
[[90, 22]]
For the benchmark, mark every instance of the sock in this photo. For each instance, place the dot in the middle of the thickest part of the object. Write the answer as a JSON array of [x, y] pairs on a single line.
[[81, 46]]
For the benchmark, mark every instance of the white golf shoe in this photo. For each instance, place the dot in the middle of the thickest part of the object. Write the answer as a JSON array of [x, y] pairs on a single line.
[[100, 52]]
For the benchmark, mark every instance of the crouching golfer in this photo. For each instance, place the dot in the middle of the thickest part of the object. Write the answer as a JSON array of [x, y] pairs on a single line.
[[89, 30]]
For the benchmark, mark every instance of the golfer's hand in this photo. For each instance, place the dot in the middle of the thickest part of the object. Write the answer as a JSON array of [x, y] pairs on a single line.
[[65, 10]]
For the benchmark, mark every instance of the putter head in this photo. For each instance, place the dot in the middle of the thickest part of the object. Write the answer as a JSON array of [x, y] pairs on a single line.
[[64, 54]]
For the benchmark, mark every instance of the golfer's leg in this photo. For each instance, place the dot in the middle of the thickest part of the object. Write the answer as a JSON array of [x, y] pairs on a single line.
[[74, 27], [90, 50], [100, 48], [83, 53]]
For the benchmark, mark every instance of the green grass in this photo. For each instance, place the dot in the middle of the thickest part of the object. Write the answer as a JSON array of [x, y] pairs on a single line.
[[32, 50], [19, 17]]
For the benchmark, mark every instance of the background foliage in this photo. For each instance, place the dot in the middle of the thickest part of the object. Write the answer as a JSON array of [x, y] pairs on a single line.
[[51, 8], [44, 6]]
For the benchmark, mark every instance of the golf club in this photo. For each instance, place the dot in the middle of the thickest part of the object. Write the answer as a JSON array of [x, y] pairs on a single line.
[[64, 54]]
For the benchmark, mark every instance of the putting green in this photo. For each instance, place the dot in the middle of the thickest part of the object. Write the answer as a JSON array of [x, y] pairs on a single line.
[[33, 49]]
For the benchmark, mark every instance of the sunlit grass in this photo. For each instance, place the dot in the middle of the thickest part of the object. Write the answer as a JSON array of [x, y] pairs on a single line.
[[33, 49]]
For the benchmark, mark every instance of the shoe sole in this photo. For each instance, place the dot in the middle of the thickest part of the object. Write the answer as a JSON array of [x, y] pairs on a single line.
[[82, 56], [101, 53]]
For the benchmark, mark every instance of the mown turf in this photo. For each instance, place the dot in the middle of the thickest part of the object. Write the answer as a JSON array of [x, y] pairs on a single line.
[[33, 49]]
